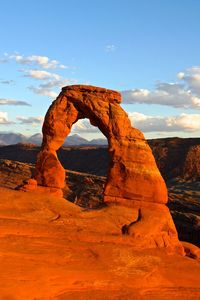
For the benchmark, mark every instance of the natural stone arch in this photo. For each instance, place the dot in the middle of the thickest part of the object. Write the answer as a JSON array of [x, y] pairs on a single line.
[[133, 174], [133, 179]]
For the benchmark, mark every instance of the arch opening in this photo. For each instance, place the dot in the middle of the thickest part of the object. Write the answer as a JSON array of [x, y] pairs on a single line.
[[87, 166], [133, 174]]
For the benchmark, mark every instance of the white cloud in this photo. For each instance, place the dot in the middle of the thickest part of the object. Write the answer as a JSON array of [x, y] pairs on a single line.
[[110, 48], [84, 125], [43, 91], [189, 122], [4, 118], [191, 78], [170, 94], [57, 83], [4, 101], [49, 79], [45, 88], [30, 120], [183, 122], [42, 61], [40, 74], [185, 94]]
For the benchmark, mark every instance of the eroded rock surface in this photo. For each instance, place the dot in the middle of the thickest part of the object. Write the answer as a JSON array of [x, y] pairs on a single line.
[[53, 249], [133, 173], [133, 178]]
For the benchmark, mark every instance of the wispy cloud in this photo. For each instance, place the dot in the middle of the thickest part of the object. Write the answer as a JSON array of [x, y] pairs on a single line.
[[42, 91], [40, 74], [191, 78], [4, 59], [4, 101], [45, 88], [182, 122], [110, 48], [8, 82], [49, 80], [30, 120], [38, 60]]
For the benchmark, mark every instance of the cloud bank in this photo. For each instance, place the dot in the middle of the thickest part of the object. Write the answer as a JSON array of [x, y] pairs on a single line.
[[185, 94], [183, 122]]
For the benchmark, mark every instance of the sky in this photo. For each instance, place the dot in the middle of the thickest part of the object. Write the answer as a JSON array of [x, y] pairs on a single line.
[[148, 50]]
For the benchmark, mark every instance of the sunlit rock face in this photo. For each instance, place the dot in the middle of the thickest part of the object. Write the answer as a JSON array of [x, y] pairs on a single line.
[[133, 178], [133, 174]]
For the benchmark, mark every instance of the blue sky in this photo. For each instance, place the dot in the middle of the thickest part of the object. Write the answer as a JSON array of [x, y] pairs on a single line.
[[148, 50]]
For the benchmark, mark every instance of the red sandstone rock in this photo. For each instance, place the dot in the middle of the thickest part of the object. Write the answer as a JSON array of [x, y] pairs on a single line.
[[191, 250], [133, 178], [53, 249], [191, 167], [177, 157], [133, 172]]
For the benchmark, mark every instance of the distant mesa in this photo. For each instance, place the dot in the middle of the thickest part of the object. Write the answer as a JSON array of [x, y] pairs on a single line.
[[133, 178]]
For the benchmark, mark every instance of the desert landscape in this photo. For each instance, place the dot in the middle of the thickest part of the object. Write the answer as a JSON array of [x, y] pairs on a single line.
[[66, 242], [99, 150]]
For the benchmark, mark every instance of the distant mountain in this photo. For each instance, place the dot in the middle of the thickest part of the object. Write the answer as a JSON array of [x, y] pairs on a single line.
[[12, 138], [35, 139], [75, 140], [98, 142], [72, 140]]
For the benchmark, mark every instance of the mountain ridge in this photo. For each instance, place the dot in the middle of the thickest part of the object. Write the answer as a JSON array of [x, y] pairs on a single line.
[[72, 140]]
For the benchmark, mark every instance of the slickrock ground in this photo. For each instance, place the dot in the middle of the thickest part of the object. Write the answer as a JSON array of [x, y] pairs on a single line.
[[53, 249], [87, 189]]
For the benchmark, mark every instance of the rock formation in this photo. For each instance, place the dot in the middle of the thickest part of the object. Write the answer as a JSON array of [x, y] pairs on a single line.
[[177, 157], [133, 179], [133, 172], [191, 167]]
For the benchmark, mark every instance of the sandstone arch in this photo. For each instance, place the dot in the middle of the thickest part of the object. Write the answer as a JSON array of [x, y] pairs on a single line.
[[133, 179], [133, 174]]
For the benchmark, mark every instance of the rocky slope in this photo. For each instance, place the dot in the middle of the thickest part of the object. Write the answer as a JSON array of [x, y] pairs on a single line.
[[175, 157], [53, 249], [86, 191]]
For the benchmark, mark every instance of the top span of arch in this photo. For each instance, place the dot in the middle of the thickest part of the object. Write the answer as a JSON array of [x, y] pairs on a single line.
[[112, 95]]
